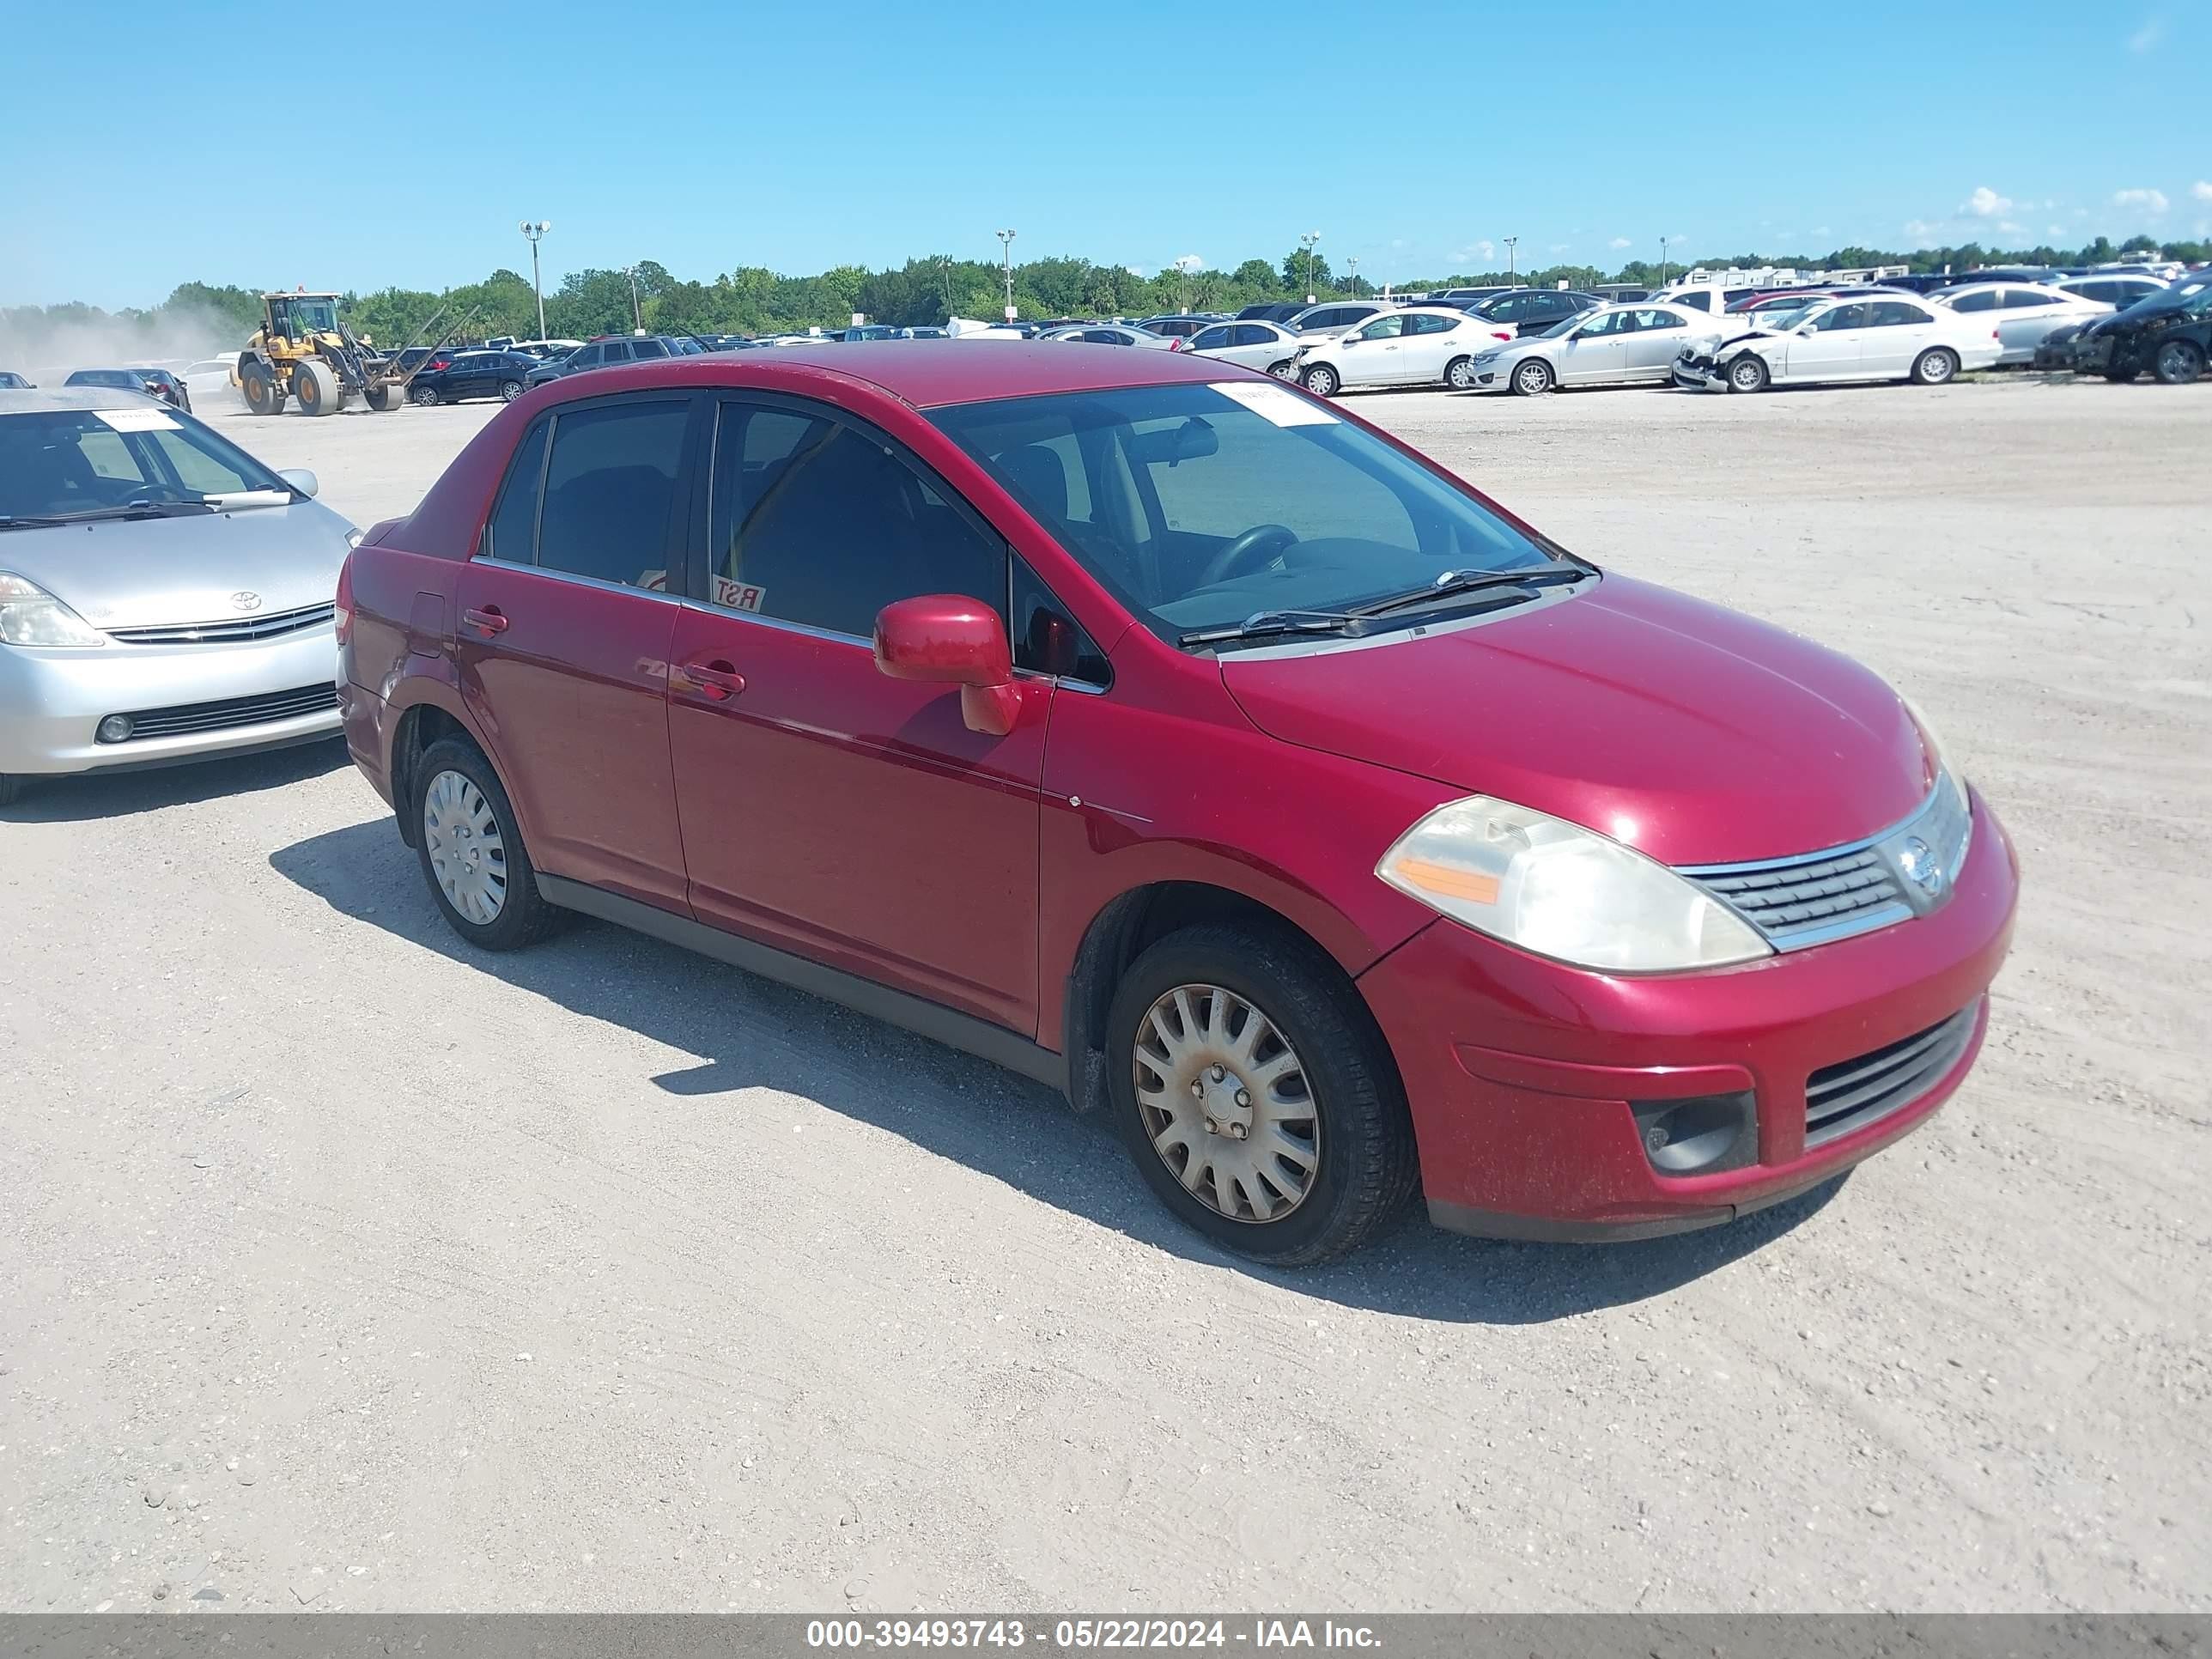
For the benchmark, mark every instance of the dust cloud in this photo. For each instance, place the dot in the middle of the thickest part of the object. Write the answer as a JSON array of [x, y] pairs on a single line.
[[46, 345]]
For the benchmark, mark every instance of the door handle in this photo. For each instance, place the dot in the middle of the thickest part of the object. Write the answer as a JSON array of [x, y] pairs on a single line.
[[489, 621], [717, 681]]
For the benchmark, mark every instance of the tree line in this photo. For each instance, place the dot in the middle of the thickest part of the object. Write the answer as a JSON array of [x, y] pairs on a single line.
[[753, 300]]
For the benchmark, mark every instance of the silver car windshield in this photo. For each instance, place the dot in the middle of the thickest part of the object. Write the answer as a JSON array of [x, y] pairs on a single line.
[[76, 463], [1199, 505]]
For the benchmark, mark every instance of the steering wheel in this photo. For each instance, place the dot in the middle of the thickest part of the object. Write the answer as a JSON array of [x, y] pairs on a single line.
[[1261, 543]]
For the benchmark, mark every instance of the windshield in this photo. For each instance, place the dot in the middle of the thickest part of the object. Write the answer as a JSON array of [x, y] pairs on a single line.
[[1198, 506], [298, 318], [62, 463]]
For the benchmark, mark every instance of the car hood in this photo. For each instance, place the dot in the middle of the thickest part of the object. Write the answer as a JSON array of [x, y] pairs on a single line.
[[145, 572], [1693, 733]]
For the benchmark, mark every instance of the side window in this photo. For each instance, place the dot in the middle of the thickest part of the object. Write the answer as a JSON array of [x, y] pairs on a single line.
[[2020, 299], [1046, 638], [1210, 340], [1648, 321], [590, 357], [511, 532], [1841, 317], [1615, 322], [1382, 328], [1101, 337], [649, 348], [1985, 301], [1893, 313], [1252, 334], [610, 488], [815, 522], [1424, 324], [1696, 302]]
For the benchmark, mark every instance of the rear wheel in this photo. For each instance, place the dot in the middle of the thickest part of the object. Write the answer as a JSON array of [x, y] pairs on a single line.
[[262, 395], [473, 852], [1935, 367], [1257, 1096], [381, 397], [509, 390], [2177, 363], [1532, 376], [425, 396], [1748, 373], [1460, 375], [1321, 380], [316, 387]]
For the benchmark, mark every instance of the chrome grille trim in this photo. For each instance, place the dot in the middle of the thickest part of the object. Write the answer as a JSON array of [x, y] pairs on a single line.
[[230, 712], [1837, 892], [1854, 1093], [229, 631]]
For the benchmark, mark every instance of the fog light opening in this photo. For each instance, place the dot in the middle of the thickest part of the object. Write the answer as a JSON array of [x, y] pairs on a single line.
[[116, 728], [1701, 1135]]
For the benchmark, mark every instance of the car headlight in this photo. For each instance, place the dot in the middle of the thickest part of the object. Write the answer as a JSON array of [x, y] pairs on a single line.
[[353, 537], [1489, 356], [31, 615], [1564, 891]]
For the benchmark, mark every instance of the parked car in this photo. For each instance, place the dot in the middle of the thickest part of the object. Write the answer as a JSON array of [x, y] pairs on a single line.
[[2117, 292], [543, 349], [860, 331], [1532, 310], [455, 377], [1114, 334], [924, 334], [1416, 345], [2169, 335], [11, 381], [1613, 345], [212, 377], [1277, 312], [1179, 327], [1901, 339], [1270, 347], [2024, 313], [1333, 317], [164, 597], [759, 657], [1476, 294], [602, 353], [152, 382]]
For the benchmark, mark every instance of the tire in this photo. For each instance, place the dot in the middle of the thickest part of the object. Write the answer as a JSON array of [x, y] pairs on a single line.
[[316, 387], [1361, 1171], [2177, 363], [1321, 380], [11, 788], [383, 396], [423, 397], [1748, 372], [1531, 377], [1286, 370], [1459, 374], [478, 804], [263, 394], [509, 390], [1937, 366]]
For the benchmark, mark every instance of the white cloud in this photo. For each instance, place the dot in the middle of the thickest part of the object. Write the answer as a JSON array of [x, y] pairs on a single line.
[[1474, 250], [2152, 31], [1559, 248], [1618, 242], [1986, 203], [2008, 225], [2152, 201], [1920, 230], [2202, 190], [1189, 261], [2054, 230]]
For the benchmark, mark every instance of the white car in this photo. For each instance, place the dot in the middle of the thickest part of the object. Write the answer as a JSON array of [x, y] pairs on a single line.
[[1267, 346], [1420, 345], [1613, 345], [1113, 334], [213, 377], [2023, 313], [1906, 338]]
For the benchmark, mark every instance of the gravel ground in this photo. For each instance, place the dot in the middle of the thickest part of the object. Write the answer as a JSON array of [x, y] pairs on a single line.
[[339, 1267]]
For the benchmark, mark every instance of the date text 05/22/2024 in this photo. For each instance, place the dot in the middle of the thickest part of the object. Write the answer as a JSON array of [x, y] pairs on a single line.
[[1086, 1634]]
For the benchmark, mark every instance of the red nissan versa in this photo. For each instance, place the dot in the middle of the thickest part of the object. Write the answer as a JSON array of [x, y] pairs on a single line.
[[1148, 727]]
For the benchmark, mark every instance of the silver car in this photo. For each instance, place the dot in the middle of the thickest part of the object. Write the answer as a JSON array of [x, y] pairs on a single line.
[[1614, 345], [164, 597], [2021, 313], [1113, 334], [1267, 346]]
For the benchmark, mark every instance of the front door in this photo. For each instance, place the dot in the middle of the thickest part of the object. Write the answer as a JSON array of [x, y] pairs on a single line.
[[1827, 348], [826, 809], [562, 635], [1598, 351], [1371, 352]]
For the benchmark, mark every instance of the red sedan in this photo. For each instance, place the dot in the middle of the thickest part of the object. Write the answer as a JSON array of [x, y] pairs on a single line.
[[1156, 730]]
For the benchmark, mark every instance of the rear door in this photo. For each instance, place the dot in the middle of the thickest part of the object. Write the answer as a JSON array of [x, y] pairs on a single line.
[[1427, 345], [563, 634], [2024, 317], [1656, 341], [826, 808], [1897, 332]]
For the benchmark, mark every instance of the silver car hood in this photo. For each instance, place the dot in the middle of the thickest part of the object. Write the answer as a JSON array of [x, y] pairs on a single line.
[[143, 572]]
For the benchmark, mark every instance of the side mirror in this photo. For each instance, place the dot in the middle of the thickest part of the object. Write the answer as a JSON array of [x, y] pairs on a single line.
[[945, 639], [302, 480], [1808, 329]]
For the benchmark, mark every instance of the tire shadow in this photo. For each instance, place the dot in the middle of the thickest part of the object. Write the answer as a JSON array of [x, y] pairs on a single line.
[[755, 1033]]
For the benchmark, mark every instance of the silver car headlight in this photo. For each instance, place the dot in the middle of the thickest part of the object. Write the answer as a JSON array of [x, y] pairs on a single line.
[[1489, 356], [31, 615], [1563, 891]]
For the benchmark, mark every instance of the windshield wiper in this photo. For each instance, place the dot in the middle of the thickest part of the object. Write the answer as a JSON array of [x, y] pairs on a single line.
[[28, 521], [1264, 624], [1470, 581], [138, 509]]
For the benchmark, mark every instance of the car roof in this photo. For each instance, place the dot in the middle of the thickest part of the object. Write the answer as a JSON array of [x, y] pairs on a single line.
[[34, 401]]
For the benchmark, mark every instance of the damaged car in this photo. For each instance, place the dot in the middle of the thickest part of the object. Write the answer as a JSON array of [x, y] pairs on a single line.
[[1897, 338], [2169, 335]]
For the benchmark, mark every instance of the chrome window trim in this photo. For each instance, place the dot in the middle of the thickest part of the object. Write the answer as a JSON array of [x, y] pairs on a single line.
[[579, 581]]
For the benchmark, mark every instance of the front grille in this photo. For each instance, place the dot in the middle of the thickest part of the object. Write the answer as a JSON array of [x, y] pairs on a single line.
[[1854, 1093], [230, 632], [261, 710], [1800, 900]]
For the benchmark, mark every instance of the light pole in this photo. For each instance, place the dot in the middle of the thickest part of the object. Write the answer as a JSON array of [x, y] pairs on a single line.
[[1307, 242], [1352, 260], [1509, 257], [1006, 255], [636, 319], [945, 267], [1663, 262], [534, 232]]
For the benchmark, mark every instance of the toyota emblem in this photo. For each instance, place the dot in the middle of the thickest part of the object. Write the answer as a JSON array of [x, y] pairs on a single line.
[[246, 601], [1921, 865]]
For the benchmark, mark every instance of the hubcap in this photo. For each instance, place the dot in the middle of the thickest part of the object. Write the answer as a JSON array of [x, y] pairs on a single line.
[[1939, 368], [1533, 378], [1746, 374], [468, 855], [1225, 1103]]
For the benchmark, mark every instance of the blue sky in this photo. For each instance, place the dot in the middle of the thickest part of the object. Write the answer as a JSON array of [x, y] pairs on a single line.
[[708, 136]]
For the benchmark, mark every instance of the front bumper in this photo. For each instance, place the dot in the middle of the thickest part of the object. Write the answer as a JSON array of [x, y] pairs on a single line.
[[51, 702], [1700, 374], [1523, 1074]]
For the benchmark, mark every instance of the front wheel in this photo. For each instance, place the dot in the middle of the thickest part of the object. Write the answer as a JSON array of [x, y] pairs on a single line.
[[1532, 378], [2177, 363], [1286, 370], [264, 395], [423, 397], [1935, 367], [1257, 1096], [473, 852], [1748, 373], [1460, 376], [1321, 380]]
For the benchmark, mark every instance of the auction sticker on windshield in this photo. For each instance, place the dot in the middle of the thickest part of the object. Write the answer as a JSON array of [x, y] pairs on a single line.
[[1273, 404], [135, 420]]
